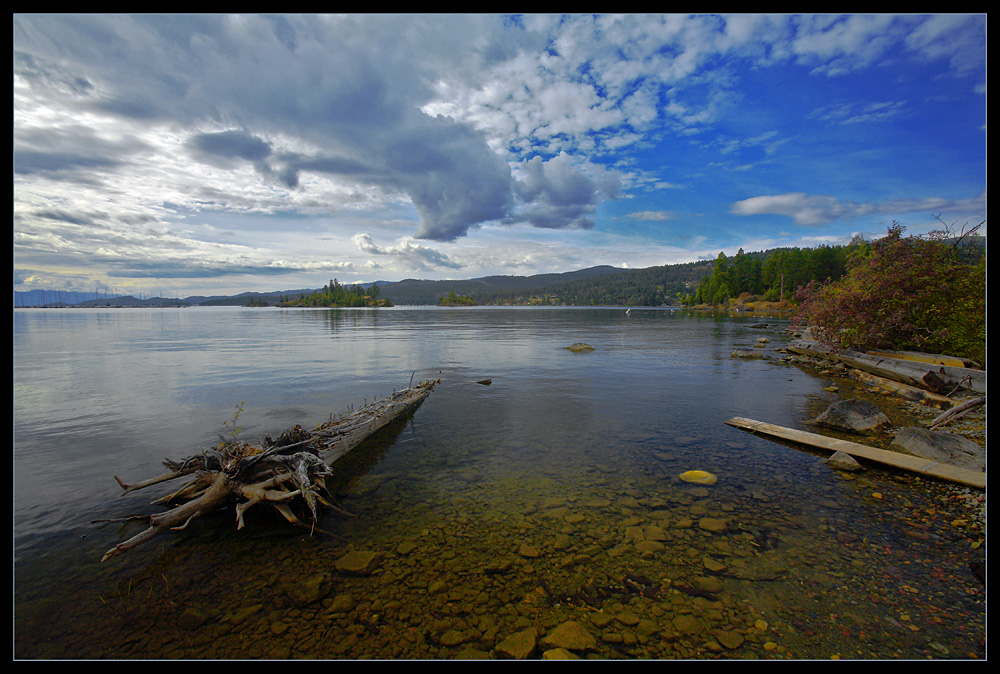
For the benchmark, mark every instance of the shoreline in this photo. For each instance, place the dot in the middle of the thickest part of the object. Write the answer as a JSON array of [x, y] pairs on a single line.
[[970, 503]]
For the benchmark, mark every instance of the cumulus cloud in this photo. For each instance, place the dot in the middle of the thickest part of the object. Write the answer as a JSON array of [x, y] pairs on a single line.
[[446, 125], [302, 94], [559, 194]]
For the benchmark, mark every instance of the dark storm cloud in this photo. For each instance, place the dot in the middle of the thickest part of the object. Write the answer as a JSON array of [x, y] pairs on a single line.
[[70, 218], [339, 96], [230, 145], [27, 162], [49, 76], [559, 195], [73, 149]]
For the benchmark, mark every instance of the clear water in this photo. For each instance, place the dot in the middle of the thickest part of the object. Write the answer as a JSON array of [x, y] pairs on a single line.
[[550, 495]]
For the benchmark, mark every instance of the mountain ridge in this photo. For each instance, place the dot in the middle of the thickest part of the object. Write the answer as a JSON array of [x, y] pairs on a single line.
[[406, 291]]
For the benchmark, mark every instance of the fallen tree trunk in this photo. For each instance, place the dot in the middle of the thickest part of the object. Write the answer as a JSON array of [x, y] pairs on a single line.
[[957, 412], [912, 373], [295, 466], [929, 358], [903, 390]]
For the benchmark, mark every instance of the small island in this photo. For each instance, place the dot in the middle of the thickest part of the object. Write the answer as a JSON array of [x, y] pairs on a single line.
[[453, 300], [336, 295]]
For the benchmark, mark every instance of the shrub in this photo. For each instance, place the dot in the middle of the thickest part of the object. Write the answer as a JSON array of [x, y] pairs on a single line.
[[903, 293]]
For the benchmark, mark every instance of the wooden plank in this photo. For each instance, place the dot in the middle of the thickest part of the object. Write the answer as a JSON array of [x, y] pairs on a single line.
[[944, 471]]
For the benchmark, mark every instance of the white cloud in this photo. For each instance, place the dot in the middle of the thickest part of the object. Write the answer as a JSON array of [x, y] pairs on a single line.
[[410, 128], [412, 256], [806, 209], [653, 216]]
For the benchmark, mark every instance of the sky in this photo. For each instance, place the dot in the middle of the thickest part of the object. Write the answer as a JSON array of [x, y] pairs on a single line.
[[202, 154]]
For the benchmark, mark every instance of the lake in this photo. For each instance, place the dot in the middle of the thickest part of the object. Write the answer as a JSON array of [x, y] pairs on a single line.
[[546, 502]]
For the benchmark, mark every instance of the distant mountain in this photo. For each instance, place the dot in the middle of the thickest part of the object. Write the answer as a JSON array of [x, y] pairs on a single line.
[[39, 298], [413, 291], [243, 299], [406, 292]]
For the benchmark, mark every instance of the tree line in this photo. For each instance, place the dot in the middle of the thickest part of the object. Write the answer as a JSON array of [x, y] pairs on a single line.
[[773, 275]]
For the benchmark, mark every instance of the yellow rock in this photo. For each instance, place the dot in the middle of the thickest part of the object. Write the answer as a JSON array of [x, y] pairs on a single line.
[[698, 477]]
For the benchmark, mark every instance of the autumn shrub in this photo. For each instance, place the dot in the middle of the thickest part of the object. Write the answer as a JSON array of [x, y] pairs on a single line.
[[903, 293]]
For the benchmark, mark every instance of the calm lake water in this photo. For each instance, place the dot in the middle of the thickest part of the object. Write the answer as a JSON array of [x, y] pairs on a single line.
[[550, 496]]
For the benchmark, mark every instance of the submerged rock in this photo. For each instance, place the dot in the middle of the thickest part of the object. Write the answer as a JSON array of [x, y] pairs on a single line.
[[579, 347], [559, 654], [572, 636], [305, 591], [714, 525], [357, 562], [518, 646], [698, 477]]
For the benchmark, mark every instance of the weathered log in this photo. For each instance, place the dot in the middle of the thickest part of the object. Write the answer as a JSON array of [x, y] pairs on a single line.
[[909, 372], [930, 358], [293, 467], [903, 390]]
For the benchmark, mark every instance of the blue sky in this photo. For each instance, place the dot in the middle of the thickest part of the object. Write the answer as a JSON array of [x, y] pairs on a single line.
[[217, 154]]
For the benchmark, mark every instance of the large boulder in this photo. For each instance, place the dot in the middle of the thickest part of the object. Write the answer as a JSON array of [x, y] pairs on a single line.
[[941, 446], [853, 416]]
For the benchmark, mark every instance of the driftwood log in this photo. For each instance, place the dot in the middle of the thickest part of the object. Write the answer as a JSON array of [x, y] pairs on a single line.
[[933, 377], [957, 412], [278, 473]]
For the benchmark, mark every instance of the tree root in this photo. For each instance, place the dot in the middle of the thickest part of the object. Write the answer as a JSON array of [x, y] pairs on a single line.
[[292, 468]]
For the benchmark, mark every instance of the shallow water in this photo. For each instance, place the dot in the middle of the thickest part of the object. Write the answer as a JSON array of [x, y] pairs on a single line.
[[551, 495]]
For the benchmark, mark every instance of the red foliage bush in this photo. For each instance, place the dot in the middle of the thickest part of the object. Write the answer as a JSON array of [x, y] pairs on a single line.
[[902, 293]]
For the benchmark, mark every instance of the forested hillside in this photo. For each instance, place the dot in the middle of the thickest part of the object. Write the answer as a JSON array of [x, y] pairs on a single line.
[[652, 286], [771, 275], [413, 291]]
